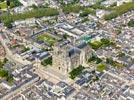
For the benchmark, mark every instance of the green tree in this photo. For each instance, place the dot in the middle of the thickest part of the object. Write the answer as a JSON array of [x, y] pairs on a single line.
[[40, 12], [77, 71], [101, 67], [119, 10], [47, 61], [2, 0], [87, 11], [65, 36], [5, 60], [131, 23], [75, 8], [3, 73]]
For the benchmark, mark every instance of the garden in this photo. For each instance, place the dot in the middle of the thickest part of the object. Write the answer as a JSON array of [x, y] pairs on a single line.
[[76, 71], [47, 38]]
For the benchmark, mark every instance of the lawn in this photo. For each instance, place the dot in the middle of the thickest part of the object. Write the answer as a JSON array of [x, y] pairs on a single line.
[[3, 5], [95, 45], [115, 63], [47, 38], [101, 43]]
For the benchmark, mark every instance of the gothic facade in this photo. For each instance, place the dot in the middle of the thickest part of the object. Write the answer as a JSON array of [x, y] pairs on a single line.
[[66, 56]]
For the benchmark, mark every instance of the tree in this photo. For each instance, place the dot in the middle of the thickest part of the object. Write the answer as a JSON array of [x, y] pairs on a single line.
[[105, 42], [87, 11], [8, 2], [119, 10], [3, 73], [72, 8], [132, 59], [131, 23], [101, 67], [2, 0], [109, 60], [5, 60], [25, 49], [121, 54], [47, 61], [8, 24], [65, 36], [77, 71], [1, 64], [9, 78], [34, 7], [98, 60], [98, 6], [40, 12]]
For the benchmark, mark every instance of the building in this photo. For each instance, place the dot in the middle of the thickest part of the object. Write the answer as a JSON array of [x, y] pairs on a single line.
[[108, 3], [27, 3], [23, 78], [31, 2], [66, 56], [120, 2], [2, 52], [69, 29], [101, 13]]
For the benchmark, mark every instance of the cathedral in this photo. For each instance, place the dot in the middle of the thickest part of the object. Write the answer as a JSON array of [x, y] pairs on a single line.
[[67, 56]]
